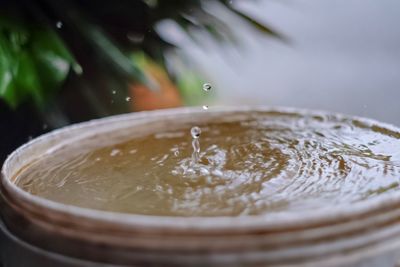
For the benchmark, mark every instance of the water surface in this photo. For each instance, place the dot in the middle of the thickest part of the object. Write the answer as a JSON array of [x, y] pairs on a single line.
[[265, 162]]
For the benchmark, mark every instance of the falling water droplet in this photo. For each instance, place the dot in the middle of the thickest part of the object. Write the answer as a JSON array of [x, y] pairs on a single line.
[[205, 107], [206, 87], [196, 132], [128, 98], [59, 24]]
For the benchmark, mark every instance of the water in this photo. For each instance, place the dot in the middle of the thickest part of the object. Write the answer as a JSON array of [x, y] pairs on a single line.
[[206, 87], [128, 98], [195, 132], [260, 164], [59, 24]]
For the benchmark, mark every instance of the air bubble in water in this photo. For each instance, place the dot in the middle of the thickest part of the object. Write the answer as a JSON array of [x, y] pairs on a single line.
[[196, 132], [128, 98], [205, 107], [59, 24], [207, 87]]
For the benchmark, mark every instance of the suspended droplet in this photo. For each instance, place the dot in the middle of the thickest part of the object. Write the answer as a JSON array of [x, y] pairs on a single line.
[[206, 87], [196, 132], [59, 24], [114, 92], [205, 107], [128, 98]]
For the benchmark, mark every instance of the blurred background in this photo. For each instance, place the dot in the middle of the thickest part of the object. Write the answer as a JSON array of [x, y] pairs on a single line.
[[69, 61]]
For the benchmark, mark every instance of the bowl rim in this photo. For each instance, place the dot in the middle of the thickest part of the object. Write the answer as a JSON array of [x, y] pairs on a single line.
[[276, 220]]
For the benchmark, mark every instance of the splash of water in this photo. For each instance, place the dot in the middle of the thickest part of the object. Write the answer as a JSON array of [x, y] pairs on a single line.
[[195, 132]]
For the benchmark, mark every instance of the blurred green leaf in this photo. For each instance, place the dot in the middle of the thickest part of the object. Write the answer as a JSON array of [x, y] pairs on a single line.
[[8, 70], [33, 63], [51, 58], [35, 60], [26, 78]]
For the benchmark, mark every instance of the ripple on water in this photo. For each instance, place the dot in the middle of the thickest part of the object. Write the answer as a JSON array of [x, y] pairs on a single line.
[[267, 162]]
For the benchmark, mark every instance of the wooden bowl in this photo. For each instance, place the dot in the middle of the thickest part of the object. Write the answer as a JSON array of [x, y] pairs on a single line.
[[366, 232]]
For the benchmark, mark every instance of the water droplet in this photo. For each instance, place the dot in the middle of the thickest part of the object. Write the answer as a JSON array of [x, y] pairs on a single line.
[[59, 24], [205, 107], [114, 92], [128, 98], [44, 127], [207, 87], [115, 152], [196, 132], [176, 153]]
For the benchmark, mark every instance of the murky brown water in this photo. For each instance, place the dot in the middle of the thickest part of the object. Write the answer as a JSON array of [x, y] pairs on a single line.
[[266, 163]]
